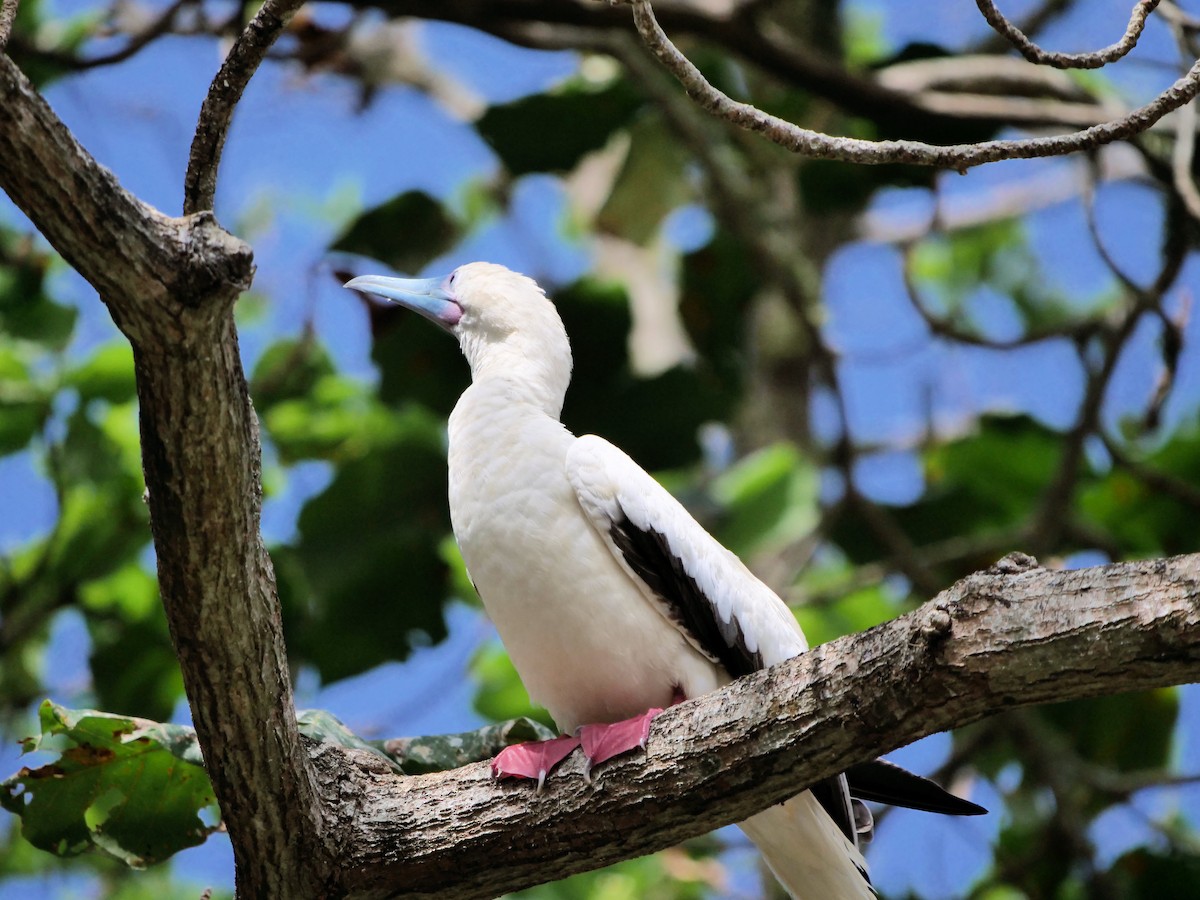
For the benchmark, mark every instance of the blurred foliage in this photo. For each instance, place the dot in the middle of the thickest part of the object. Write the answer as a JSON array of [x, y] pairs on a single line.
[[551, 132], [367, 571]]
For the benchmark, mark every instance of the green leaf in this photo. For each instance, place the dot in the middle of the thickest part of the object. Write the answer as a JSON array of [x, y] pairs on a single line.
[[368, 553], [500, 694], [982, 484], [24, 404], [1144, 518], [336, 418], [551, 132], [655, 420], [1146, 874], [27, 313], [437, 753], [718, 286], [289, 369], [107, 374], [770, 500], [856, 611], [103, 522], [133, 664], [405, 233], [1127, 732], [130, 789]]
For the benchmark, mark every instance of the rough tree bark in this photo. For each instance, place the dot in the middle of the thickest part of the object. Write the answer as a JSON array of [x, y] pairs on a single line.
[[309, 821]]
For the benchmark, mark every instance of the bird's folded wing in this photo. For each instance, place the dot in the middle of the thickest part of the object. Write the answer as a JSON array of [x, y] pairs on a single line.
[[722, 609], [726, 613]]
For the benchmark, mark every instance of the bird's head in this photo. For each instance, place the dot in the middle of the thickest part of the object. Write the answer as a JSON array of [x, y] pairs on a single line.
[[503, 321]]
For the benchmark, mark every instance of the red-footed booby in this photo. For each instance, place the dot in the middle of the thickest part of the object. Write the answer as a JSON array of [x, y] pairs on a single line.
[[612, 601]]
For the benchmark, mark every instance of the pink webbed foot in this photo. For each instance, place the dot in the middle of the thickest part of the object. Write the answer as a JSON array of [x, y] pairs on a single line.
[[603, 742], [533, 759]]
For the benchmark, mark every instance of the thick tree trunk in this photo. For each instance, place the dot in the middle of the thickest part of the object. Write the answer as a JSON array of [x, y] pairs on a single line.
[[170, 285]]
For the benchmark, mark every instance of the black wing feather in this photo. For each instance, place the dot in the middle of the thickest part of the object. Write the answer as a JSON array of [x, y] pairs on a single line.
[[649, 555], [883, 782]]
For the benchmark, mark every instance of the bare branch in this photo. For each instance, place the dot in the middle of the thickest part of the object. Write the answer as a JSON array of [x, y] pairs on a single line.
[[1034, 21], [1012, 636], [1093, 60], [959, 156], [123, 247], [216, 113]]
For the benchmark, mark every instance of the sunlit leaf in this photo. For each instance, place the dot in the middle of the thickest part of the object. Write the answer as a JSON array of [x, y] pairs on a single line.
[[106, 374], [130, 789]]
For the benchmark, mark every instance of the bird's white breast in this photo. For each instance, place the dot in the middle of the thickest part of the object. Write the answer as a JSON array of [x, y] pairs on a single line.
[[588, 646]]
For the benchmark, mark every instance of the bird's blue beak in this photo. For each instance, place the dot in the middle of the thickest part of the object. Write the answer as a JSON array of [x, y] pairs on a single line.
[[427, 296]]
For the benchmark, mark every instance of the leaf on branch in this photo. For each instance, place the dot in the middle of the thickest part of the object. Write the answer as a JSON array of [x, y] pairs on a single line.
[[125, 787], [322, 725]]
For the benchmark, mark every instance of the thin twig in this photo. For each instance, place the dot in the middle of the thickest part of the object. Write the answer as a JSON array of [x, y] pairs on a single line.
[[8, 17], [1093, 60], [945, 326], [959, 156], [226, 89], [1185, 149]]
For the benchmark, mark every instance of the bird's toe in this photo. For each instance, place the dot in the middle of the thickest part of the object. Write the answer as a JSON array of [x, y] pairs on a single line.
[[533, 760]]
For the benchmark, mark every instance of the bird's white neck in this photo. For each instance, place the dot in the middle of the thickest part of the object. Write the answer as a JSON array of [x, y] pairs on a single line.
[[522, 370]]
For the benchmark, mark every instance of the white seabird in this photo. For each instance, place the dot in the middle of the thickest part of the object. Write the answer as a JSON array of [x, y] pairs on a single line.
[[612, 601]]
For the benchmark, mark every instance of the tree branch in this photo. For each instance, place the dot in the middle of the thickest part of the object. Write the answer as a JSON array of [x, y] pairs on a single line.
[[170, 285], [958, 156], [216, 113], [1011, 636]]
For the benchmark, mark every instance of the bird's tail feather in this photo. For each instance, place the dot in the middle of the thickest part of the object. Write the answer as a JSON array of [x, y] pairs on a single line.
[[808, 853]]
